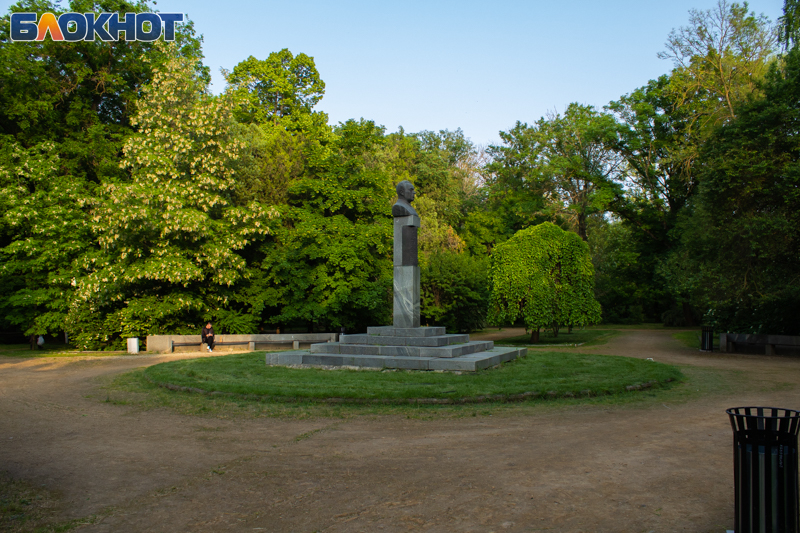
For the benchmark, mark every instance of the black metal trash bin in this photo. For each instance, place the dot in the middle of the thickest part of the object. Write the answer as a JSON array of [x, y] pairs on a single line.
[[707, 339], [765, 469]]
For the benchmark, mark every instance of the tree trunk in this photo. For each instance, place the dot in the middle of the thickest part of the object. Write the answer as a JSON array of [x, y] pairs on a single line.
[[582, 227], [534, 335], [555, 330], [569, 329], [688, 316]]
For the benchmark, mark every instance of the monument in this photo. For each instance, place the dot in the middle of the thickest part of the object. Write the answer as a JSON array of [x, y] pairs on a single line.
[[404, 344], [406, 261]]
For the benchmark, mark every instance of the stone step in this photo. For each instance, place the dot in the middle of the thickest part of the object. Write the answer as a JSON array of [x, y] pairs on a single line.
[[454, 350], [391, 331], [467, 363], [385, 340]]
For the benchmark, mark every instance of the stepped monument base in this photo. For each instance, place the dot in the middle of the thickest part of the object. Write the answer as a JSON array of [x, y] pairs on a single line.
[[421, 348]]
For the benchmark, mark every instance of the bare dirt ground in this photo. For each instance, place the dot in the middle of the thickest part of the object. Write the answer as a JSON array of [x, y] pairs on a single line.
[[664, 467]]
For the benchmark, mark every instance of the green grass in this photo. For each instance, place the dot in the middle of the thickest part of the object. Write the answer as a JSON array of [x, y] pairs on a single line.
[[537, 375], [28, 508], [578, 336], [49, 350], [137, 394], [643, 325], [690, 339]]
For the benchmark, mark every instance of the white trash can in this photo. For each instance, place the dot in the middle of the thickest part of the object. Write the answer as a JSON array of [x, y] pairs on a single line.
[[133, 345]]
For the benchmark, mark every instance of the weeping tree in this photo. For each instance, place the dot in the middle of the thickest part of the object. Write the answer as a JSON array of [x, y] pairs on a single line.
[[543, 275]]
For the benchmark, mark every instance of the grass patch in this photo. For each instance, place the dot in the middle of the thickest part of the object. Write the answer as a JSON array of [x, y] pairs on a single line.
[[690, 339], [578, 336], [49, 350], [137, 394], [27, 508], [537, 375], [643, 325]]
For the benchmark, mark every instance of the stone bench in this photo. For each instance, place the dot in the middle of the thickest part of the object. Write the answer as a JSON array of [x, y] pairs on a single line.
[[729, 341], [168, 343]]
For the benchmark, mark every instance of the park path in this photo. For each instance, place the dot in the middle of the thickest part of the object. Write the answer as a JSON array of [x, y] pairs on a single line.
[[665, 467]]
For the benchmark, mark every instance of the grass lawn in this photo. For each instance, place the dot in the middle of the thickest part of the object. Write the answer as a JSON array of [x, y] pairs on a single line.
[[537, 375], [49, 350], [578, 336], [688, 338]]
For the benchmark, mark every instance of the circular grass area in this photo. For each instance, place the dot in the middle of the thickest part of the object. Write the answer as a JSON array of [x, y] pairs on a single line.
[[546, 374]]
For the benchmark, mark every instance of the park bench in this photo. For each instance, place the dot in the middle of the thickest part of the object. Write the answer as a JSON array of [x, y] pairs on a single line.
[[168, 343], [729, 341]]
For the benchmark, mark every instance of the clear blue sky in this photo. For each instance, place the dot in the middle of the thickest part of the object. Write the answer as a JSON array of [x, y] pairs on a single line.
[[445, 64]]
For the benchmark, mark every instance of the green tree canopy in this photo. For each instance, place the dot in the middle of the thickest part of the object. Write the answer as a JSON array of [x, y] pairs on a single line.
[[740, 254], [169, 237], [331, 263], [283, 85], [65, 110], [544, 276]]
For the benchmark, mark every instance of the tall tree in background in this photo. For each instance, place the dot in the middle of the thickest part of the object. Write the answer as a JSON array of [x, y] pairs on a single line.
[[65, 110], [577, 167], [281, 86], [659, 146], [561, 167], [789, 24], [740, 254], [517, 191], [719, 58], [169, 238], [718, 62], [330, 266]]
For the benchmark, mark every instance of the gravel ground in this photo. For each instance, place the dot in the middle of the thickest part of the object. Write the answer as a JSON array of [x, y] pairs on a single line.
[[664, 467]]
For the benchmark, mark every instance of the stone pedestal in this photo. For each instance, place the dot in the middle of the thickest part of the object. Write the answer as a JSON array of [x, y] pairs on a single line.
[[406, 272], [403, 348]]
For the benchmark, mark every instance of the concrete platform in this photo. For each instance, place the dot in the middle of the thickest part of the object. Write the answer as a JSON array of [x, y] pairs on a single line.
[[465, 363]]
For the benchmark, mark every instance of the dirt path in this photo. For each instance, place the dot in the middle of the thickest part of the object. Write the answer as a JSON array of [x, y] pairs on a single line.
[[663, 469]]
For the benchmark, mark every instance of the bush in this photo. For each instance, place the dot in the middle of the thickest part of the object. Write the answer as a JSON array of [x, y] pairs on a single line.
[[454, 291]]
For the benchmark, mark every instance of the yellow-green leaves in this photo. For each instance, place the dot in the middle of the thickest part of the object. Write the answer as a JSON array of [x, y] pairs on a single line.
[[544, 276], [172, 234]]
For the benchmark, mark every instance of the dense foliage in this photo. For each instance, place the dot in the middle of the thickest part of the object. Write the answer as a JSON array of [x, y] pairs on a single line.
[[133, 201], [544, 276]]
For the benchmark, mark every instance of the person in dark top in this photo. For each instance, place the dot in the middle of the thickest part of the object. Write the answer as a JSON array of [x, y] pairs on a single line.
[[207, 337]]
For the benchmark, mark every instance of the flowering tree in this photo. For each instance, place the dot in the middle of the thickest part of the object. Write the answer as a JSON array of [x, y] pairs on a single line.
[[170, 236]]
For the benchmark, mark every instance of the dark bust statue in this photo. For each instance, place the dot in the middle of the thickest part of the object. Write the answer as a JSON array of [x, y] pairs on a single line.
[[405, 195]]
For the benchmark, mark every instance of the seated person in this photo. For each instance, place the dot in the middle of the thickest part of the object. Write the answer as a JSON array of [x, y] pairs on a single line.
[[207, 337]]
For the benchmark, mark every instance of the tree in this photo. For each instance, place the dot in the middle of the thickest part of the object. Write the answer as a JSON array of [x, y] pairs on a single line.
[[720, 57], [789, 24], [331, 261], [658, 144], [517, 191], [544, 276], [169, 236], [718, 62], [576, 164], [623, 278], [739, 258], [454, 291], [65, 110], [283, 85]]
